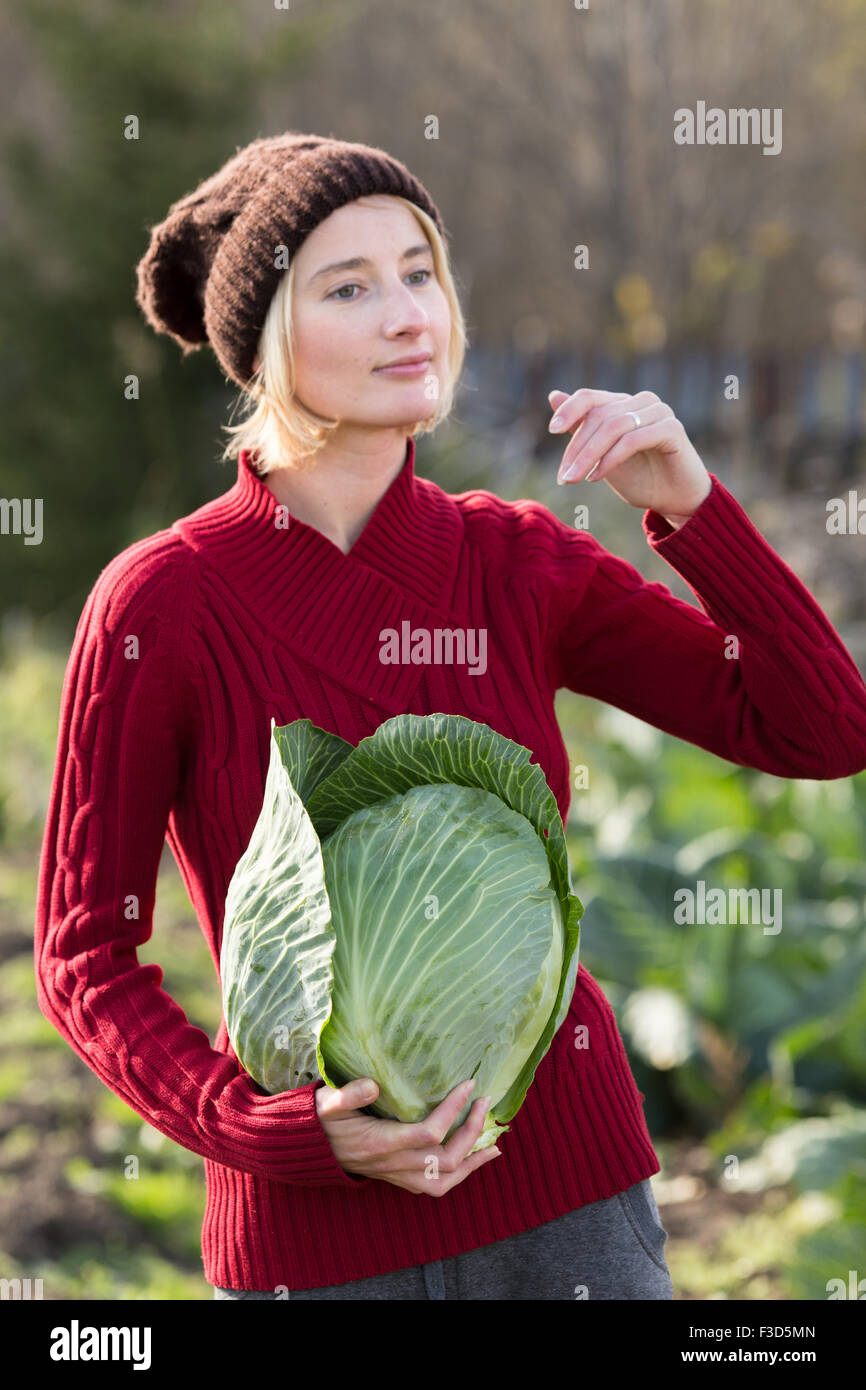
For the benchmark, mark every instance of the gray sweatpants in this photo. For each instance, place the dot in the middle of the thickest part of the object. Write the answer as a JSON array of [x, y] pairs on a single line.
[[613, 1249]]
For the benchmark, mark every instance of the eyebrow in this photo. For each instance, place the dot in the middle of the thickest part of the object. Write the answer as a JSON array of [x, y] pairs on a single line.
[[359, 262]]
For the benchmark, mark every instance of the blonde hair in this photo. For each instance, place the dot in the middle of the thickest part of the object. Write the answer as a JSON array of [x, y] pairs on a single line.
[[281, 431]]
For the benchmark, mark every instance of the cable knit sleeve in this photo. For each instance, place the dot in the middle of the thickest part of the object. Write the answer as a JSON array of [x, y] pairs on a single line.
[[118, 770], [759, 677]]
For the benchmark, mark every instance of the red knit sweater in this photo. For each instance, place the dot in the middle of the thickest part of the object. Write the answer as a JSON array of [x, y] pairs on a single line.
[[194, 638]]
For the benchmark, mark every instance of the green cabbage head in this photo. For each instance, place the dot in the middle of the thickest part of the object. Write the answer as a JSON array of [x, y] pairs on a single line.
[[403, 911]]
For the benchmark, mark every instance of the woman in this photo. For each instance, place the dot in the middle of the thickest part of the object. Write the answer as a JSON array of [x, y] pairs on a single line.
[[312, 267]]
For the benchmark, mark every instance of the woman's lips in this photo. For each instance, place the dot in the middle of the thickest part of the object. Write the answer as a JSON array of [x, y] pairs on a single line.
[[406, 369]]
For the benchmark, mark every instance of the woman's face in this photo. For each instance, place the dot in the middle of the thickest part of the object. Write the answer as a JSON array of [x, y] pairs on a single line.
[[349, 323]]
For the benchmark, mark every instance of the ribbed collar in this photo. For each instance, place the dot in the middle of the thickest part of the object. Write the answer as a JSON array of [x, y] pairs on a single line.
[[333, 606]]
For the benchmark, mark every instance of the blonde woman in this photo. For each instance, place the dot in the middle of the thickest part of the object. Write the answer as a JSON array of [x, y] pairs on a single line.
[[318, 272]]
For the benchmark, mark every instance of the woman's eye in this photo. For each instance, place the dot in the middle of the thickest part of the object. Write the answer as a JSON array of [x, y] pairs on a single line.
[[338, 293]]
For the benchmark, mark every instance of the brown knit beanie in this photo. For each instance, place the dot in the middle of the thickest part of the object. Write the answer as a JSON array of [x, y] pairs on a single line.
[[208, 275]]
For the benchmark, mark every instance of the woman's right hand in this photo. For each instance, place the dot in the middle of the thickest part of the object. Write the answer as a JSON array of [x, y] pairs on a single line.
[[397, 1152]]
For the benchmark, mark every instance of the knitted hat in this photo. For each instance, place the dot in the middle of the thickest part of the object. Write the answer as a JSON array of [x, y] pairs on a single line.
[[208, 275]]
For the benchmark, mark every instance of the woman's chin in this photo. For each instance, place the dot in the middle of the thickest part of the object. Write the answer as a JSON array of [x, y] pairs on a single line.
[[406, 412]]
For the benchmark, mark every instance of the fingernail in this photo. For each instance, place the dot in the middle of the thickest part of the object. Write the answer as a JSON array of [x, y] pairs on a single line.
[[485, 1102], [556, 424]]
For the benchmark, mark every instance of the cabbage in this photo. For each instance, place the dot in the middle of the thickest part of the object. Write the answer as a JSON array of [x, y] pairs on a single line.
[[404, 911]]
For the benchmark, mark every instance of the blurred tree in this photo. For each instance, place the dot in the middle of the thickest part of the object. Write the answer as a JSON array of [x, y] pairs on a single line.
[[80, 199]]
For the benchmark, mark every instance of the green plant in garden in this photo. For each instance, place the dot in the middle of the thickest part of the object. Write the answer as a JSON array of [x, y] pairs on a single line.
[[403, 911]]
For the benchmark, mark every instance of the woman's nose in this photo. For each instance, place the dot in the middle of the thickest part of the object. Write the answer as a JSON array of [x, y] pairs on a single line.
[[406, 310]]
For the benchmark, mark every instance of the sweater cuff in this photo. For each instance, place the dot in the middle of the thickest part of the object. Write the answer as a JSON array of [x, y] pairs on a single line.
[[658, 528], [287, 1128], [726, 560]]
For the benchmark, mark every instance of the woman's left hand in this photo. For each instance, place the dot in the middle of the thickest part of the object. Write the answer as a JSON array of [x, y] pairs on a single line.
[[652, 464]]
